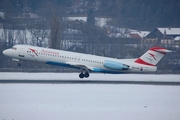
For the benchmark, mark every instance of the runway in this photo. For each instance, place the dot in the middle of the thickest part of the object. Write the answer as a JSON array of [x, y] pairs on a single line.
[[87, 82], [72, 78]]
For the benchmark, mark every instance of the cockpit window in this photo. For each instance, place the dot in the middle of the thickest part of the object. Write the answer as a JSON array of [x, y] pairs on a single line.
[[14, 48]]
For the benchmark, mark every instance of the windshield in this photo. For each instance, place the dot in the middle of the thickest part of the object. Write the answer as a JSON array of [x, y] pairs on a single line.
[[14, 48]]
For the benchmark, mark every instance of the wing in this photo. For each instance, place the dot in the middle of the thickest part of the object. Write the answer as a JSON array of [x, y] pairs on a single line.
[[80, 65]]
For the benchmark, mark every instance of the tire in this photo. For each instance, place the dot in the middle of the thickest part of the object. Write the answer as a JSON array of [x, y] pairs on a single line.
[[81, 75], [19, 64], [86, 75]]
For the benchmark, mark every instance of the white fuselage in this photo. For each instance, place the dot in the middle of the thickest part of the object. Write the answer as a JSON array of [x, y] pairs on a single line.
[[76, 60]]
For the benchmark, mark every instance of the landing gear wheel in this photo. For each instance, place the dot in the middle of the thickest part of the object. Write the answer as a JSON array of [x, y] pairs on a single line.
[[81, 75], [86, 75], [19, 64]]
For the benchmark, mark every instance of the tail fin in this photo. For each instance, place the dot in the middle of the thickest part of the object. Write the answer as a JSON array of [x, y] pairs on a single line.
[[152, 56]]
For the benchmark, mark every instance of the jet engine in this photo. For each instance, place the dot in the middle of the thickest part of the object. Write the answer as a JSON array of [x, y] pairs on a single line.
[[115, 65]]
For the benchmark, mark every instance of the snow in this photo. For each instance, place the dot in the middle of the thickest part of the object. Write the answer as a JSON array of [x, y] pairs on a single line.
[[170, 31], [2, 14], [88, 101], [140, 33], [99, 21], [77, 18], [93, 76], [177, 38]]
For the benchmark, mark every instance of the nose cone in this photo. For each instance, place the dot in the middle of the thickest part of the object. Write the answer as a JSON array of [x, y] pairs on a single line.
[[4, 52], [7, 52]]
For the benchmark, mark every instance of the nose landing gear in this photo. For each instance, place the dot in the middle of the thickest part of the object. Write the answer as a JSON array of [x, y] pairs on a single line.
[[18, 64]]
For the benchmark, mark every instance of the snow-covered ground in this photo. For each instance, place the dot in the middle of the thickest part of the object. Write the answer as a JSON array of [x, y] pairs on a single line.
[[93, 76], [88, 101]]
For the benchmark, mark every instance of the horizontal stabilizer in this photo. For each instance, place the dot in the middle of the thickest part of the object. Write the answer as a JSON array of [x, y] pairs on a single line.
[[161, 50]]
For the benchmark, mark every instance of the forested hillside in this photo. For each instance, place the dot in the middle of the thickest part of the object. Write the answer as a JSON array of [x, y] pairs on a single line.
[[137, 14], [144, 13]]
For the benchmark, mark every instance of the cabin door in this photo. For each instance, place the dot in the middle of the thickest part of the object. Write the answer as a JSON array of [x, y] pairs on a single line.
[[21, 52]]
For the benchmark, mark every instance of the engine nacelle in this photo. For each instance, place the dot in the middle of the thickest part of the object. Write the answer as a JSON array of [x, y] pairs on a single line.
[[115, 65]]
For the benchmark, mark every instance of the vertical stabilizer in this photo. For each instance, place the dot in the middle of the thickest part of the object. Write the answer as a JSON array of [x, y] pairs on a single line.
[[152, 56]]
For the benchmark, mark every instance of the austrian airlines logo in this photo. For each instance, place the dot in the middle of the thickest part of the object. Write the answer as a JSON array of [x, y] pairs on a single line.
[[152, 55], [34, 51]]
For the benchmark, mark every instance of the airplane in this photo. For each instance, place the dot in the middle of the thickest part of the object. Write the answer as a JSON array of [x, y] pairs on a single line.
[[87, 63]]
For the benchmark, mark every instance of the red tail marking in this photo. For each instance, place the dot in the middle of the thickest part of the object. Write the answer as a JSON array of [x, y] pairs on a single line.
[[152, 55], [140, 61]]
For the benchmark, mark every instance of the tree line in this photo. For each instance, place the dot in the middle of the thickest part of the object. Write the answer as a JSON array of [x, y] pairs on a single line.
[[137, 14]]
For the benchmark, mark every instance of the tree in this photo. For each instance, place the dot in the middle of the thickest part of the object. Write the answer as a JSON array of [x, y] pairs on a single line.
[[55, 35], [90, 17], [39, 36]]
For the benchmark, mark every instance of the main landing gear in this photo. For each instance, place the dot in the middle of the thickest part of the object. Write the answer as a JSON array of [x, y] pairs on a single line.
[[84, 74]]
